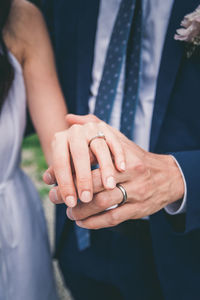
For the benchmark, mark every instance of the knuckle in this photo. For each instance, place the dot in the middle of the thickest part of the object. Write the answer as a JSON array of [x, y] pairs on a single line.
[[75, 129], [83, 181], [102, 125], [92, 118], [142, 192], [90, 125], [66, 189], [58, 136], [139, 167], [114, 218]]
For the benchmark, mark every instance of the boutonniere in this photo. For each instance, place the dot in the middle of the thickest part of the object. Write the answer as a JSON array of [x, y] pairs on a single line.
[[190, 32]]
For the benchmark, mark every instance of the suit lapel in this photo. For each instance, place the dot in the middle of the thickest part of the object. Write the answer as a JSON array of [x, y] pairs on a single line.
[[86, 33], [170, 62]]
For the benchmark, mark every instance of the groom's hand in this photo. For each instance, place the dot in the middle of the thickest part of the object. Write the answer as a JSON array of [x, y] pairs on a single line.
[[151, 181]]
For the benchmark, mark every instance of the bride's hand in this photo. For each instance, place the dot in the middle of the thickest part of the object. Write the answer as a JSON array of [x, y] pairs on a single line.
[[74, 150]]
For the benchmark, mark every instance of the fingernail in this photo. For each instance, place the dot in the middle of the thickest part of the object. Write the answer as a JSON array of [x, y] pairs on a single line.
[[53, 196], [70, 214], [48, 178], [110, 182], [86, 196], [70, 201], [123, 166]]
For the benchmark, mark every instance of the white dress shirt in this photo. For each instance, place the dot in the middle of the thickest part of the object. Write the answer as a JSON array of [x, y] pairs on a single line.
[[156, 14]]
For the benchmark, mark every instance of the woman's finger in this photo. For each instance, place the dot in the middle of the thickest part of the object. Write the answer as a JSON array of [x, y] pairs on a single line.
[[115, 147], [103, 156], [62, 168], [81, 160], [112, 138], [101, 150]]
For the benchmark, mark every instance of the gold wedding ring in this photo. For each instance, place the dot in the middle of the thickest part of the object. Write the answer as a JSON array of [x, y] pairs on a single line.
[[100, 135]]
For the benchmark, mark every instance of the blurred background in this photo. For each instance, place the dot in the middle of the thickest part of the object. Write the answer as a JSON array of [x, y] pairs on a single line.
[[33, 163]]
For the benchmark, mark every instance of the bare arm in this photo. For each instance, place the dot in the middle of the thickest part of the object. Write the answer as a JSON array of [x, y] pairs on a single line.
[[45, 99]]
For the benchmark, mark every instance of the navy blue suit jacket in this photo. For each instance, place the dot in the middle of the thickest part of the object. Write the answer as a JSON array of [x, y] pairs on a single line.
[[175, 128]]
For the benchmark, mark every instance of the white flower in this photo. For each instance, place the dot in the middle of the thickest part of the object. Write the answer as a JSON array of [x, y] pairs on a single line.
[[191, 28]]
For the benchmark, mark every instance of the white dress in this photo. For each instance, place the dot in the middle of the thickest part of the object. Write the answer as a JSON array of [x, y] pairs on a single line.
[[25, 259]]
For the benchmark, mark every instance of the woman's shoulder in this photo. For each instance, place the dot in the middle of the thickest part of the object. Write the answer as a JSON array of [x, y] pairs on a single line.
[[23, 28], [25, 15]]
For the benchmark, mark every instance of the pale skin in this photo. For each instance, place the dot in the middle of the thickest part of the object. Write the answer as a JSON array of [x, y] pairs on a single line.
[[27, 39], [152, 181], [73, 145]]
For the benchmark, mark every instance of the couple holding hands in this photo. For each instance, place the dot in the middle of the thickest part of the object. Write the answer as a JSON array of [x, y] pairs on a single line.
[[125, 163]]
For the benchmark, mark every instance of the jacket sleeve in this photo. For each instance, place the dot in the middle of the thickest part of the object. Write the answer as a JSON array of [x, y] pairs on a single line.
[[189, 162], [179, 206]]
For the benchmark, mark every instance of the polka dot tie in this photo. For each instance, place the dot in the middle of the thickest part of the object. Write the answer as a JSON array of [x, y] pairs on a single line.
[[124, 46]]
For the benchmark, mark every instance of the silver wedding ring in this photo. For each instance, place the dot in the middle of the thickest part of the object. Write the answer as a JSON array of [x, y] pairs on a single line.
[[124, 193], [100, 135]]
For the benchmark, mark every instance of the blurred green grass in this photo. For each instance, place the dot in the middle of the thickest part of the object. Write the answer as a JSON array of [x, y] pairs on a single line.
[[32, 143], [33, 162]]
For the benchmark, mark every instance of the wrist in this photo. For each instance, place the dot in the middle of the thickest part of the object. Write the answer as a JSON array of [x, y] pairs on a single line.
[[167, 177], [176, 182]]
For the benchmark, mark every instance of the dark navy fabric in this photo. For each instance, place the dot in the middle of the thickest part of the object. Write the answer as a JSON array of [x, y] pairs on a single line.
[[123, 269], [83, 237], [175, 129], [132, 74]]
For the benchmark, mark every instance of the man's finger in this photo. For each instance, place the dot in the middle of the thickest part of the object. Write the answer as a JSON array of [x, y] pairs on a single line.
[[109, 218], [100, 203]]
